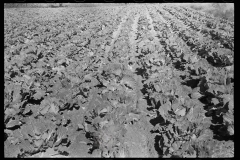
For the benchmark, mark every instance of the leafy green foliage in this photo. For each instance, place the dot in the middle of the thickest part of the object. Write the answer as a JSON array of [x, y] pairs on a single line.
[[110, 83]]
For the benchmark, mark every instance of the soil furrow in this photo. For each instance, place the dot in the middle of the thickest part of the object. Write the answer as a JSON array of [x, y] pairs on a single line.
[[116, 33]]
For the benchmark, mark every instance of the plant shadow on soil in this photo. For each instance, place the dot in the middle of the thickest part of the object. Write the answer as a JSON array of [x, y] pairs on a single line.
[[156, 145], [219, 129], [157, 140], [193, 83], [141, 72], [178, 65]]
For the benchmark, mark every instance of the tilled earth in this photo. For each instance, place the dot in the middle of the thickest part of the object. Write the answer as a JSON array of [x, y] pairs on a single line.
[[120, 81]]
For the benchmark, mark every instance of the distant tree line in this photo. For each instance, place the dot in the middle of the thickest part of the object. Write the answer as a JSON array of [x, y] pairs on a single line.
[[23, 5], [56, 5]]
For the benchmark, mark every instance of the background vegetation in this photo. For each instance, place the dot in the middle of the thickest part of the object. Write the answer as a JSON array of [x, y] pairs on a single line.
[[55, 5], [219, 10]]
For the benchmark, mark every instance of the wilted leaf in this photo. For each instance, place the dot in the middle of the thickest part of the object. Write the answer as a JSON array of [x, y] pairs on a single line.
[[175, 106], [194, 59], [13, 140], [231, 105], [10, 111], [186, 57], [175, 146], [131, 117], [97, 120], [228, 117], [227, 97], [13, 123], [158, 89], [103, 111], [193, 137], [118, 72], [103, 123], [196, 95], [45, 109], [163, 110], [207, 134], [49, 152], [181, 112], [215, 101], [231, 129], [16, 93], [39, 94], [27, 77], [54, 108], [45, 136], [38, 143]]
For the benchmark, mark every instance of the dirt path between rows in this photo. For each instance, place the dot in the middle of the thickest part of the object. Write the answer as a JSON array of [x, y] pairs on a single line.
[[138, 140], [152, 31], [132, 35], [116, 33]]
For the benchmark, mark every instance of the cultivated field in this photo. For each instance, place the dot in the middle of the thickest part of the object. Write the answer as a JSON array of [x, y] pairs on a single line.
[[118, 81]]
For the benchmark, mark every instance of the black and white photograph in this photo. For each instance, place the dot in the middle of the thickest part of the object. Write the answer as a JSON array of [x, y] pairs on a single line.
[[119, 80]]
